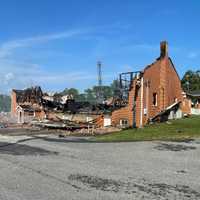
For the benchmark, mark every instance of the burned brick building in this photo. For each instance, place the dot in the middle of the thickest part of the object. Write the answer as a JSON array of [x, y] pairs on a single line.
[[153, 93], [32, 104], [27, 104]]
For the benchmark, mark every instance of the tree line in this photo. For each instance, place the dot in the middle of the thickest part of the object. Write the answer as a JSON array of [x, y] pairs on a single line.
[[91, 94], [190, 82], [5, 103]]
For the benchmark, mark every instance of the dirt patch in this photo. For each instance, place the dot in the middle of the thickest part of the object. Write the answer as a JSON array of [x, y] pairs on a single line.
[[174, 147], [21, 149], [141, 187]]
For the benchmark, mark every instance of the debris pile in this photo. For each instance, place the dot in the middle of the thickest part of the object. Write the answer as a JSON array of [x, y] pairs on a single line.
[[62, 113]]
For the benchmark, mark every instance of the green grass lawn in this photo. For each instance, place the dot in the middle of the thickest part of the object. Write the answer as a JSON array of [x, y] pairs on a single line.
[[175, 130]]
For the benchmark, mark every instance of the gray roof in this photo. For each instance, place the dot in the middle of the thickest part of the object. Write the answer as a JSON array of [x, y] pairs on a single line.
[[195, 93]]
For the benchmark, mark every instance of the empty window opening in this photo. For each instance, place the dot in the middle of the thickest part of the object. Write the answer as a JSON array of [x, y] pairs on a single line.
[[124, 122], [155, 99]]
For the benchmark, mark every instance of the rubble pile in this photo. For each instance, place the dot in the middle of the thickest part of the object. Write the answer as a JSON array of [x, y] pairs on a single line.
[[63, 113]]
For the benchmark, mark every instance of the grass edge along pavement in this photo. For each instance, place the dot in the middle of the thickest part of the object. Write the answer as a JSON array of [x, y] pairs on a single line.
[[175, 130]]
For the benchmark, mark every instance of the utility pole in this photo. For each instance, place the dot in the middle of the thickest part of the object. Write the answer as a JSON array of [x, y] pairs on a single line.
[[188, 82]]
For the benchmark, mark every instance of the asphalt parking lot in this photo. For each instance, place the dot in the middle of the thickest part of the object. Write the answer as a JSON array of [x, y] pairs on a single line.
[[49, 168]]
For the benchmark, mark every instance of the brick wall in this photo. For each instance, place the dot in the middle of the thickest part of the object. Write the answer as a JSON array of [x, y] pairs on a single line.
[[160, 78], [13, 103], [164, 81], [152, 84], [127, 112], [186, 106], [40, 115], [122, 113], [172, 84]]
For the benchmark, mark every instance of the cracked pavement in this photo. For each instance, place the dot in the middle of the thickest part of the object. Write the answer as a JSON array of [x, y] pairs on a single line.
[[47, 167]]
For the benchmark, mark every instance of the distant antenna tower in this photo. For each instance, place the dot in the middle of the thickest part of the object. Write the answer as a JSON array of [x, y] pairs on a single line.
[[99, 78], [99, 71]]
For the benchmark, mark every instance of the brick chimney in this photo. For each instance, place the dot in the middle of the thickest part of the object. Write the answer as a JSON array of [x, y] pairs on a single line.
[[163, 49]]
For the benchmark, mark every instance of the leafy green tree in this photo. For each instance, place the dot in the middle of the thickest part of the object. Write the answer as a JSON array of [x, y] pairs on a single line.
[[90, 95], [115, 87], [5, 103], [81, 97], [71, 91], [74, 92], [191, 80], [64, 92]]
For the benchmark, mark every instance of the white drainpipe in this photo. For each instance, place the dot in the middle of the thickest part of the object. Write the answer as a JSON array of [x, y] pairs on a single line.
[[141, 101], [147, 100]]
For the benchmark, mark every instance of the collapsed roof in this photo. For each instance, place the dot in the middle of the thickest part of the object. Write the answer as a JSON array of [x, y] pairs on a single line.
[[35, 96], [32, 95]]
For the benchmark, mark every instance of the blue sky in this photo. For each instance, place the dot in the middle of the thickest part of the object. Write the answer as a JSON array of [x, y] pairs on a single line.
[[56, 43]]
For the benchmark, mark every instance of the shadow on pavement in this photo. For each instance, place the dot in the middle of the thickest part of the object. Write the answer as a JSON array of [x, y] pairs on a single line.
[[22, 149]]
